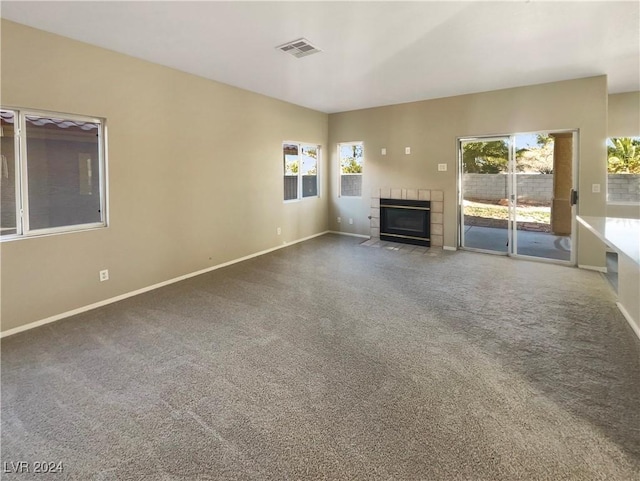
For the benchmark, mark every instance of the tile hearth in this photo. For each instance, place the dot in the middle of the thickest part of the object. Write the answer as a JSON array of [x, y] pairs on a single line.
[[402, 248]]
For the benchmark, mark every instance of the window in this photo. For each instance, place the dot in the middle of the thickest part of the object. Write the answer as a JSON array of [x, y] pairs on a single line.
[[52, 173], [300, 170], [623, 169], [351, 160]]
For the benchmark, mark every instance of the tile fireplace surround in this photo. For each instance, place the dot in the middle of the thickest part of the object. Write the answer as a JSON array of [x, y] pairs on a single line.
[[437, 207]]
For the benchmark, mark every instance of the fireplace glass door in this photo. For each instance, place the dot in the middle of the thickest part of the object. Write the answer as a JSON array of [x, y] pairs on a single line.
[[405, 221]]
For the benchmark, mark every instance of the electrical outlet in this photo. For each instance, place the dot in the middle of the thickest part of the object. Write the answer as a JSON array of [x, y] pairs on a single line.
[[104, 275], [279, 231], [407, 150], [339, 219], [383, 151], [595, 188], [350, 220], [442, 167]]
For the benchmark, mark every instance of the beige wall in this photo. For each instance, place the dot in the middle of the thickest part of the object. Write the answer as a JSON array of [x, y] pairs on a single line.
[[195, 166], [624, 115], [431, 128], [624, 121], [195, 174]]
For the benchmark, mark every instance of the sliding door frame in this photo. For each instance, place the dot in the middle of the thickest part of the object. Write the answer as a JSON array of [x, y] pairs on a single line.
[[512, 235]]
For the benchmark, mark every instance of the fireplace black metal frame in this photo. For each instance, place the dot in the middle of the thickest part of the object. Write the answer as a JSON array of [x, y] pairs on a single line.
[[406, 235]]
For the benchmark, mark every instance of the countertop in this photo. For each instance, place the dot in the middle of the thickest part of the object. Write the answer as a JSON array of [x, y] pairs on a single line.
[[623, 235]]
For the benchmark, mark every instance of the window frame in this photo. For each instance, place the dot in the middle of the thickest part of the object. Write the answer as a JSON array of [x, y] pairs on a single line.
[[300, 145], [340, 173], [21, 162]]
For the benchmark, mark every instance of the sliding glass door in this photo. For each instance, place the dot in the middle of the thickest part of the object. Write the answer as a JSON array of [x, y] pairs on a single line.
[[484, 207], [516, 194]]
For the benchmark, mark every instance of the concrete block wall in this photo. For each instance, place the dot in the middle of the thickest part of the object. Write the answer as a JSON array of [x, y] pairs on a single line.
[[535, 187], [539, 187], [623, 188], [485, 186], [531, 187], [351, 185]]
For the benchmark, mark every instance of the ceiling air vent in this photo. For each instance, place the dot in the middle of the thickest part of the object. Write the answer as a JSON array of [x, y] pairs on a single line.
[[299, 48]]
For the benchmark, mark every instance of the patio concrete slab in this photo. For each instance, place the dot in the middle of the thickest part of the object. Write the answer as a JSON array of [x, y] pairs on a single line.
[[536, 244]]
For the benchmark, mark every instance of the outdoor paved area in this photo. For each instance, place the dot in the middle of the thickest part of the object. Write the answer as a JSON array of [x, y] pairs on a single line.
[[537, 244]]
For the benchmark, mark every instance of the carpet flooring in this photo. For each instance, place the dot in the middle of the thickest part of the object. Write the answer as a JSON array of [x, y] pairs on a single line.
[[333, 360]]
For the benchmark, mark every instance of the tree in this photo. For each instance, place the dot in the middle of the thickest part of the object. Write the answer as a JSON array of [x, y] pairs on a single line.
[[536, 159], [623, 155], [485, 157], [291, 166], [351, 166], [351, 159], [310, 152], [543, 140]]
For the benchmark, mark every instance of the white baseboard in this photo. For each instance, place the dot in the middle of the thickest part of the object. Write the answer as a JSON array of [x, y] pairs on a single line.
[[593, 268], [349, 234], [121, 297], [631, 322], [449, 248]]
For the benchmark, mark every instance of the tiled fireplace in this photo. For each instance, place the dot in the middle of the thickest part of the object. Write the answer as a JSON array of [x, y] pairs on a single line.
[[436, 197]]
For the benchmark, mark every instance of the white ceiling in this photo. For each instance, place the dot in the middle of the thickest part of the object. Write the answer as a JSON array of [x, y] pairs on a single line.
[[373, 53]]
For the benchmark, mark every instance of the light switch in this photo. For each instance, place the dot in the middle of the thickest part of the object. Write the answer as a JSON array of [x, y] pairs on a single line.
[[442, 167], [407, 150], [383, 151], [595, 188]]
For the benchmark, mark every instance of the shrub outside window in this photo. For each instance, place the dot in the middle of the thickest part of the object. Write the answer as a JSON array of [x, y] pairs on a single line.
[[52, 173], [623, 170], [300, 170]]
